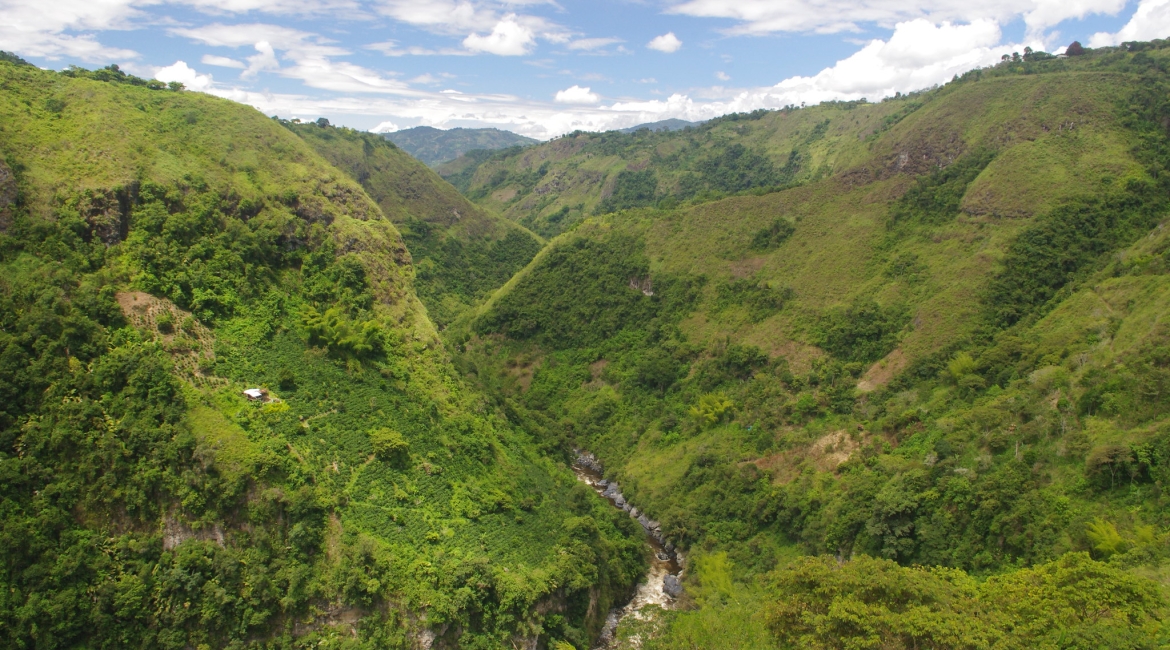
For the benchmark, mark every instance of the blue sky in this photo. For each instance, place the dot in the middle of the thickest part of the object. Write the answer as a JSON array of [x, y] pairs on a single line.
[[545, 68]]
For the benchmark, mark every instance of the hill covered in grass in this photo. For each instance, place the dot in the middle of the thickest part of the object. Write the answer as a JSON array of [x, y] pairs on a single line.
[[461, 252], [435, 146], [554, 185], [162, 251], [927, 331]]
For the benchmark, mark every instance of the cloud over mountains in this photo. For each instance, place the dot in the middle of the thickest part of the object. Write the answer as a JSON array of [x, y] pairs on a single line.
[[404, 62]]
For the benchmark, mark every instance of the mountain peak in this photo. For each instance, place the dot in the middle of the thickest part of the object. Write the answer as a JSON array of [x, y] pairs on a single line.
[[435, 146]]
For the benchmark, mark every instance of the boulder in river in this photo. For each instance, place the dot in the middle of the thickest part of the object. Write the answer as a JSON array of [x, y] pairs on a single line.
[[586, 459], [620, 502], [671, 586]]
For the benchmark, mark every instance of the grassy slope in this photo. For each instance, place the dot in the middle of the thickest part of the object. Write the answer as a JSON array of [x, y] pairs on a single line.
[[580, 169], [1058, 137], [839, 251], [462, 251], [449, 536]]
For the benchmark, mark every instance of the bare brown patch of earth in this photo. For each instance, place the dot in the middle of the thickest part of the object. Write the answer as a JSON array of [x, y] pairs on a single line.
[[504, 195], [189, 342], [825, 454], [880, 373], [522, 371], [747, 267]]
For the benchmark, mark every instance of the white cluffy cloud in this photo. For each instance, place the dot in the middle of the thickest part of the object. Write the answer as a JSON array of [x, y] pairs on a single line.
[[668, 43], [590, 44], [179, 71], [831, 16], [311, 57], [263, 59], [510, 34], [918, 55], [576, 95], [31, 28], [222, 62], [1150, 21], [385, 127], [508, 38]]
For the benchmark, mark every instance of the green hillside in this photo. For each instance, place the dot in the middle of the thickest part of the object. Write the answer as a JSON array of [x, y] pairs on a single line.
[[435, 146], [552, 186], [162, 251], [927, 331], [461, 252]]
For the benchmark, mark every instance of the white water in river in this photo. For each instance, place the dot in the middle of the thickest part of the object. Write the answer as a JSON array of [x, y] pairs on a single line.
[[650, 589]]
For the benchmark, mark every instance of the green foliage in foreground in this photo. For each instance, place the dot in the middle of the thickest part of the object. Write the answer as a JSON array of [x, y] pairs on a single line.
[[825, 603], [1073, 602], [341, 335]]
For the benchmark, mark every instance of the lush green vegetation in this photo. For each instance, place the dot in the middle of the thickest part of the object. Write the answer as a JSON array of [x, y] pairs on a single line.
[[549, 193], [452, 274], [903, 360], [866, 602], [460, 251], [935, 198], [613, 276], [151, 270], [892, 375]]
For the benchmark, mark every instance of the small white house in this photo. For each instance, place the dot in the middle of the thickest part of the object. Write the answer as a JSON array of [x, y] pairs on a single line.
[[255, 394]]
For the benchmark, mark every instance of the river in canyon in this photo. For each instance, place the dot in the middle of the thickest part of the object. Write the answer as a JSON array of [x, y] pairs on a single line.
[[662, 583]]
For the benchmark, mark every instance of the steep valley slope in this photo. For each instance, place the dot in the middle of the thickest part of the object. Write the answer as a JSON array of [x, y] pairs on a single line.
[[163, 251], [461, 252], [928, 331]]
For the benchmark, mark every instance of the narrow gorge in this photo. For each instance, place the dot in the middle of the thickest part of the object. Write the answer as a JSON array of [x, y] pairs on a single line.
[[662, 585]]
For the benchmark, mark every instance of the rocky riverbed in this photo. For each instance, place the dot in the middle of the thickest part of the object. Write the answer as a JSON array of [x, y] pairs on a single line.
[[663, 582]]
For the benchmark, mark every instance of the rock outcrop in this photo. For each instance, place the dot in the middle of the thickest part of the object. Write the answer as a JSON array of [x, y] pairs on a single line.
[[612, 491], [672, 586]]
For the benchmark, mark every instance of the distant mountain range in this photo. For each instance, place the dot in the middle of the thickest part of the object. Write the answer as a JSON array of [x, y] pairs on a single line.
[[433, 146], [672, 124]]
